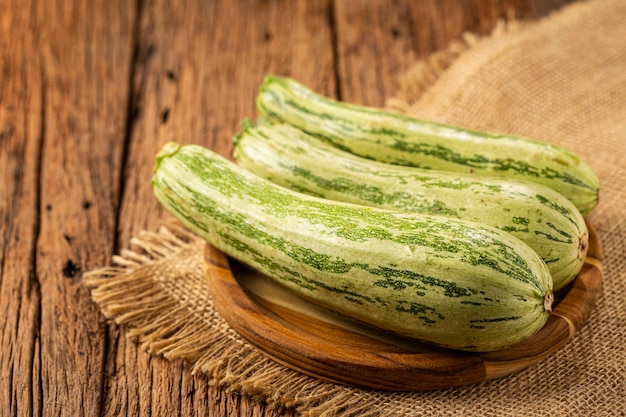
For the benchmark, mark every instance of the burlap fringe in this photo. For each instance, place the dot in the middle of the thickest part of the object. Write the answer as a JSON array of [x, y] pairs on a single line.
[[132, 295], [127, 295]]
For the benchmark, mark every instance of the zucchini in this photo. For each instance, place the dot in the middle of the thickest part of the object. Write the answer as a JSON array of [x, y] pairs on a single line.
[[399, 139], [454, 283], [538, 215]]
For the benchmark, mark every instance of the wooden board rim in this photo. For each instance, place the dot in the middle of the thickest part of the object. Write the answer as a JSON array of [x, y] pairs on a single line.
[[354, 360]]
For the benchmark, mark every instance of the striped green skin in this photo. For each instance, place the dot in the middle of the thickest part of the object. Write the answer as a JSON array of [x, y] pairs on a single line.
[[538, 215], [399, 139], [453, 283]]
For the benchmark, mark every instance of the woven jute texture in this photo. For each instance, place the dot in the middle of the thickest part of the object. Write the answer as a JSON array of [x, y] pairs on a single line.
[[561, 80]]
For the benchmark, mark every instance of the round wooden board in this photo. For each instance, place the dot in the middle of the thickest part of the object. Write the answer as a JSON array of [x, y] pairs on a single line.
[[319, 343]]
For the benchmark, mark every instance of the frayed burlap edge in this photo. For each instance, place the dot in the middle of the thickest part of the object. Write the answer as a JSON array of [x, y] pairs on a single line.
[[140, 292], [128, 294]]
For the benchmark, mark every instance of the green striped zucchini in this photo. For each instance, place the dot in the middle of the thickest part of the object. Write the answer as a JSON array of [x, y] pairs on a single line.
[[538, 215], [400, 139], [453, 283]]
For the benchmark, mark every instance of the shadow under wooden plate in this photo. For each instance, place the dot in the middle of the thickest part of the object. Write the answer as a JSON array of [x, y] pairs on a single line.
[[312, 340]]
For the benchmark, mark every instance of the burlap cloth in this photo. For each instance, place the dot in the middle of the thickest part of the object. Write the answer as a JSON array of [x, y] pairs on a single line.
[[562, 80]]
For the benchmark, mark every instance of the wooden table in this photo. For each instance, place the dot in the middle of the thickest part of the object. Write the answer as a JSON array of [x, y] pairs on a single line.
[[89, 91]]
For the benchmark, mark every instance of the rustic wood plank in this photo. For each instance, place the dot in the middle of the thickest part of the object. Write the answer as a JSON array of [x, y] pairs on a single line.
[[20, 130], [401, 32], [197, 73], [543, 8], [197, 70], [84, 50]]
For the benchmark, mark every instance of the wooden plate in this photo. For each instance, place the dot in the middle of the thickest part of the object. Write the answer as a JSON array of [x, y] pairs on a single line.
[[312, 340]]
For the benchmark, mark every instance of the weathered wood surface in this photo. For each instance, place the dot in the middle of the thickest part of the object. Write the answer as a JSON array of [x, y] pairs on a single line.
[[89, 90]]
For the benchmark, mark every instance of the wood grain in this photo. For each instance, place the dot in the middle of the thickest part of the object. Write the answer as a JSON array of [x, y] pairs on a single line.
[[201, 97], [20, 295], [401, 32], [89, 90], [64, 111], [315, 342], [83, 140]]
